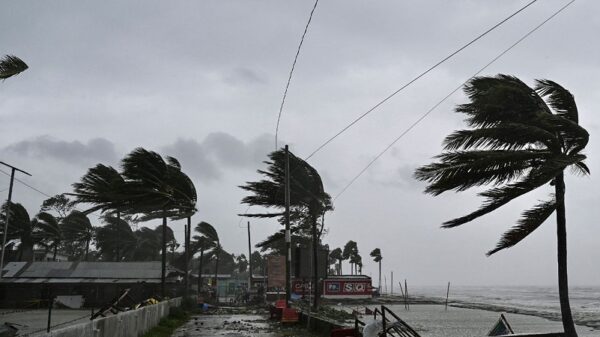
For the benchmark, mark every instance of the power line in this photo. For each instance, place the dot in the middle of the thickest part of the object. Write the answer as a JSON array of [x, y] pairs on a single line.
[[417, 78], [413, 125], [292, 71]]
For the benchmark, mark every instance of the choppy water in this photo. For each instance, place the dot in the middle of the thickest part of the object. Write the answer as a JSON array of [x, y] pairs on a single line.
[[541, 301]]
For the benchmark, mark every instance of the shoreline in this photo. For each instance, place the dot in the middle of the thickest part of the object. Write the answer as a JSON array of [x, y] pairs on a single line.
[[590, 322]]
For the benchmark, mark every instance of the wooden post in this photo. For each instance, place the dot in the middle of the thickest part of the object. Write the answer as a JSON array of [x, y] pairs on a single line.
[[392, 285], [402, 293], [447, 294], [50, 302]]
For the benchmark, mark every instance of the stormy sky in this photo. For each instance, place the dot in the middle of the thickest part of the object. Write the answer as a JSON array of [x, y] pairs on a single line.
[[202, 81]]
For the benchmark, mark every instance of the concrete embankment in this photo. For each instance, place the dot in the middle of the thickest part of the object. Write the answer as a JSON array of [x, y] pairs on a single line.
[[133, 323]]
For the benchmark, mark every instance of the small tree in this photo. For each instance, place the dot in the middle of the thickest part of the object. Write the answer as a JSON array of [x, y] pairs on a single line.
[[376, 255]]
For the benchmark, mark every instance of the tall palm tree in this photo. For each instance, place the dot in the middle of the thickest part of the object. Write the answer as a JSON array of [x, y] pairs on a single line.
[[47, 232], [336, 255], [11, 65], [209, 232], [158, 189], [521, 138], [308, 199], [21, 228], [349, 253], [376, 255], [77, 229], [103, 187], [201, 244], [115, 240]]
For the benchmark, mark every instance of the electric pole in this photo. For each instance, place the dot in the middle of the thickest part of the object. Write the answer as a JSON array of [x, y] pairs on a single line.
[[288, 236], [249, 260], [8, 208]]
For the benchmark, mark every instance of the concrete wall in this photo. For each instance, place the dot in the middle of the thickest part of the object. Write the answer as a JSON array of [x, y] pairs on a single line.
[[126, 324]]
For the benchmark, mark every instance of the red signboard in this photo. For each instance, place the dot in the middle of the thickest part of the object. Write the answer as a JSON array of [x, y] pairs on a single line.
[[276, 268]]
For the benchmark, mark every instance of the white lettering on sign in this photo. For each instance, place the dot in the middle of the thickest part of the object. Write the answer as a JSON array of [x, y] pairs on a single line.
[[354, 287]]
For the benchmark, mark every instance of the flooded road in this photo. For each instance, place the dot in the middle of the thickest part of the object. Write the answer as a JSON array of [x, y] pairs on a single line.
[[237, 325]]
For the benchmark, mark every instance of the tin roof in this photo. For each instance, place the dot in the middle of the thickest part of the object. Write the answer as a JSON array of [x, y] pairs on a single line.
[[79, 272]]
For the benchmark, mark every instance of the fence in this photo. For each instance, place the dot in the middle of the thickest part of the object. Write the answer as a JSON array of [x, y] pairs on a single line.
[[126, 324]]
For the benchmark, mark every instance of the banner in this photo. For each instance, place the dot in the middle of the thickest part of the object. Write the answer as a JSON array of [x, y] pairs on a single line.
[[276, 271]]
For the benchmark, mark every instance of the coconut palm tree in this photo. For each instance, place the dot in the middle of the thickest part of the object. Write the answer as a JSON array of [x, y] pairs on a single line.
[[521, 139], [47, 232], [115, 240], [11, 65], [148, 244], [21, 228], [336, 255], [349, 253], [77, 230], [201, 244], [211, 236], [157, 189], [376, 255], [308, 199]]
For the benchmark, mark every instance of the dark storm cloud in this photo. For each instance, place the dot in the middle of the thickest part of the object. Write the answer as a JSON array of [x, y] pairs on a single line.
[[207, 159], [46, 147]]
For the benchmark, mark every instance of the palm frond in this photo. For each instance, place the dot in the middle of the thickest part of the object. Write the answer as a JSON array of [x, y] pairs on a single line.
[[500, 196], [460, 170], [11, 65], [506, 136], [559, 98], [529, 222]]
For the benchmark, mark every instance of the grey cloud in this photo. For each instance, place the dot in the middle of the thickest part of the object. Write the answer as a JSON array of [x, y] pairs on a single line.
[[219, 150], [244, 76], [98, 149]]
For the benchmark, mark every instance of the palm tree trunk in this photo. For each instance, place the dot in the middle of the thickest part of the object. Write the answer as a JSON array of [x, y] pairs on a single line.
[[55, 251], [163, 269], [200, 271], [187, 257], [380, 276], [217, 271], [339, 267], [561, 233]]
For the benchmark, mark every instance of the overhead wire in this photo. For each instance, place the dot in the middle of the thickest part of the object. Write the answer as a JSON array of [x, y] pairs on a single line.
[[287, 86], [407, 84], [422, 117]]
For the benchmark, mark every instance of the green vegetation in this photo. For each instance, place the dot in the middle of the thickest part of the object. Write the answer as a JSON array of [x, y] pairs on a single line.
[[177, 317]]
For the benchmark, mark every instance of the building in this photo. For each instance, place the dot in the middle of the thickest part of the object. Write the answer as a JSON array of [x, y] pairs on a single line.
[[28, 283]]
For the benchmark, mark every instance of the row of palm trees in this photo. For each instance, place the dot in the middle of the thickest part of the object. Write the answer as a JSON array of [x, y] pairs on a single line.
[[148, 187]]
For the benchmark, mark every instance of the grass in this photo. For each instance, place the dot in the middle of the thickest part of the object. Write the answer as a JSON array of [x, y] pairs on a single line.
[[165, 328]]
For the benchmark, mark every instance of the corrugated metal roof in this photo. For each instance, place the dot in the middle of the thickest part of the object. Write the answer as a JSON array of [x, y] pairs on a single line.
[[77, 271]]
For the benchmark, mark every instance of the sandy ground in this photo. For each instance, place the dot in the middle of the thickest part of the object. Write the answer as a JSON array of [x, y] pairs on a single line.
[[35, 320], [237, 325]]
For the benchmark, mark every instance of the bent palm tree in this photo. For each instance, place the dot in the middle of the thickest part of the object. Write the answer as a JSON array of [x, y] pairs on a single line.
[[47, 232], [77, 229], [521, 138], [376, 255], [11, 65], [207, 231], [336, 255], [115, 240], [21, 228]]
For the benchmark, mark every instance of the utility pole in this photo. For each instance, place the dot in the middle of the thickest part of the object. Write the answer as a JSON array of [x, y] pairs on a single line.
[[8, 203], [288, 236], [249, 260], [188, 233]]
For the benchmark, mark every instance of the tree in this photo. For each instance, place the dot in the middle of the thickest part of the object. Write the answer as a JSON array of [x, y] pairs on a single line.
[[158, 189], [47, 232], [115, 240], [60, 204], [209, 239], [11, 65], [148, 244], [336, 255], [77, 232], [521, 138], [104, 188], [308, 199], [376, 255], [21, 228], [258, 262], [349, 253], [242, 263]]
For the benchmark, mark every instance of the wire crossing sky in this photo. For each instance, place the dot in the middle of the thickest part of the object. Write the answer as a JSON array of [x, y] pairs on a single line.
[[287, 85], [413, 125], [417, 78]]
